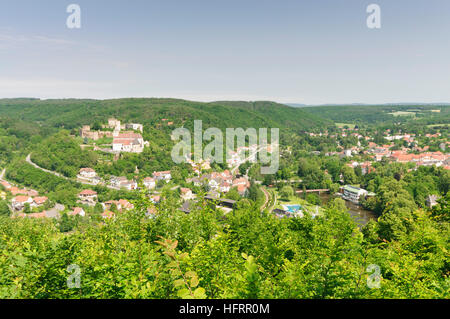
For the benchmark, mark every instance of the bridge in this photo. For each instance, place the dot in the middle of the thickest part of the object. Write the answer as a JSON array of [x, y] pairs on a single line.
[[313, 191]]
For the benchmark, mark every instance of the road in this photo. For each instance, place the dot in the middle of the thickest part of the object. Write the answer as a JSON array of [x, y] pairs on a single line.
[[266, 194], [28, 159], [2, 173], [233, 170]]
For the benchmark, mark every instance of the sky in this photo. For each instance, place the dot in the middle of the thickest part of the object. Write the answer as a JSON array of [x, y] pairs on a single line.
[[310, 52]]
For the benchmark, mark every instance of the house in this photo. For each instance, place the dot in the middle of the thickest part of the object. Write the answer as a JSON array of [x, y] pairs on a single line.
[[353, 193], [129, 185], [155, 199], [6, 185], [163, 175], [16, 191], [108, 214], [90, 175], [149, 182], [107, 205], [38, 201], [242, 190], [87, 173], [18, 202], [242, 185], [128, 142], [125, 205], [186, 194], [32, 193], [116, 181], [77, 211], [88, 197]]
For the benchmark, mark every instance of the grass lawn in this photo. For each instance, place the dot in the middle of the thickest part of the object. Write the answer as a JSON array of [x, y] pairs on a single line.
[[295, 201]]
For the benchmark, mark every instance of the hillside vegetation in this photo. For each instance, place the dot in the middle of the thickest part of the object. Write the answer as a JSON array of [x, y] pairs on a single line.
[[74, 113]]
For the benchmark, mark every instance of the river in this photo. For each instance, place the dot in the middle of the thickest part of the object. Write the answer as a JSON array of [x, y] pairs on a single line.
[[361, 215]]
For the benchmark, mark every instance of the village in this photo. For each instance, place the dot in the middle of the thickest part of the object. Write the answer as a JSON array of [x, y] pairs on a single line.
[[127, 138]]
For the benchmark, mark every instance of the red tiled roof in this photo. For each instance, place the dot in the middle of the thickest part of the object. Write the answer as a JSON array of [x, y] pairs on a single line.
[[40, 200], [21, 199], [88, 192]]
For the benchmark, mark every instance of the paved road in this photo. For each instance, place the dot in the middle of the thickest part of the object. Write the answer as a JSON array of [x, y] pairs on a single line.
[[245, 160], [2, 173], [28, 159], [54, 212]]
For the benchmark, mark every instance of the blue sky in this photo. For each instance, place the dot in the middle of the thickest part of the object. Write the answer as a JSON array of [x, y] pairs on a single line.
[[312, 52]]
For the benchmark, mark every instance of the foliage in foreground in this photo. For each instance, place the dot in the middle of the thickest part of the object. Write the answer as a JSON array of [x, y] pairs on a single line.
[[244, 255]]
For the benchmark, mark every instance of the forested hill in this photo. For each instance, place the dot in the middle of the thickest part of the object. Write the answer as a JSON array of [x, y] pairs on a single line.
[[423, 114], [72, 113]]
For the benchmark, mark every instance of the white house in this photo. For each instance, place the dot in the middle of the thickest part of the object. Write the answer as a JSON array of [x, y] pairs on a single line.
[[78, 211], [87, 173], [18, 202], [88, 197], [163, 175], [149, 182]]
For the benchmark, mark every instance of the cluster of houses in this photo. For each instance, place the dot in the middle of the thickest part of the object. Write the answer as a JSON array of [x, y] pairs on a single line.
[[90, 198], [247, 153], [23, 197], [404, 155], [221, 182]]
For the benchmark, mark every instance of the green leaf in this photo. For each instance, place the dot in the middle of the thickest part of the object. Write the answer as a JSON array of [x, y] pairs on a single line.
[[178, 283], [194, 281], [199, 293]]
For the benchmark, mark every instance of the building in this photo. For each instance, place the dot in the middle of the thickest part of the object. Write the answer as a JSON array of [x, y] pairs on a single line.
[[114, 124], [163, 175], [186, 194], [38, 201], [149, 182], [108, 214], [129, 185], [77, 211], [134, 127], [353, 193], [88, 197], [85, 132], [125, 205], [19, 202], [87, 173], [129, 142]]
